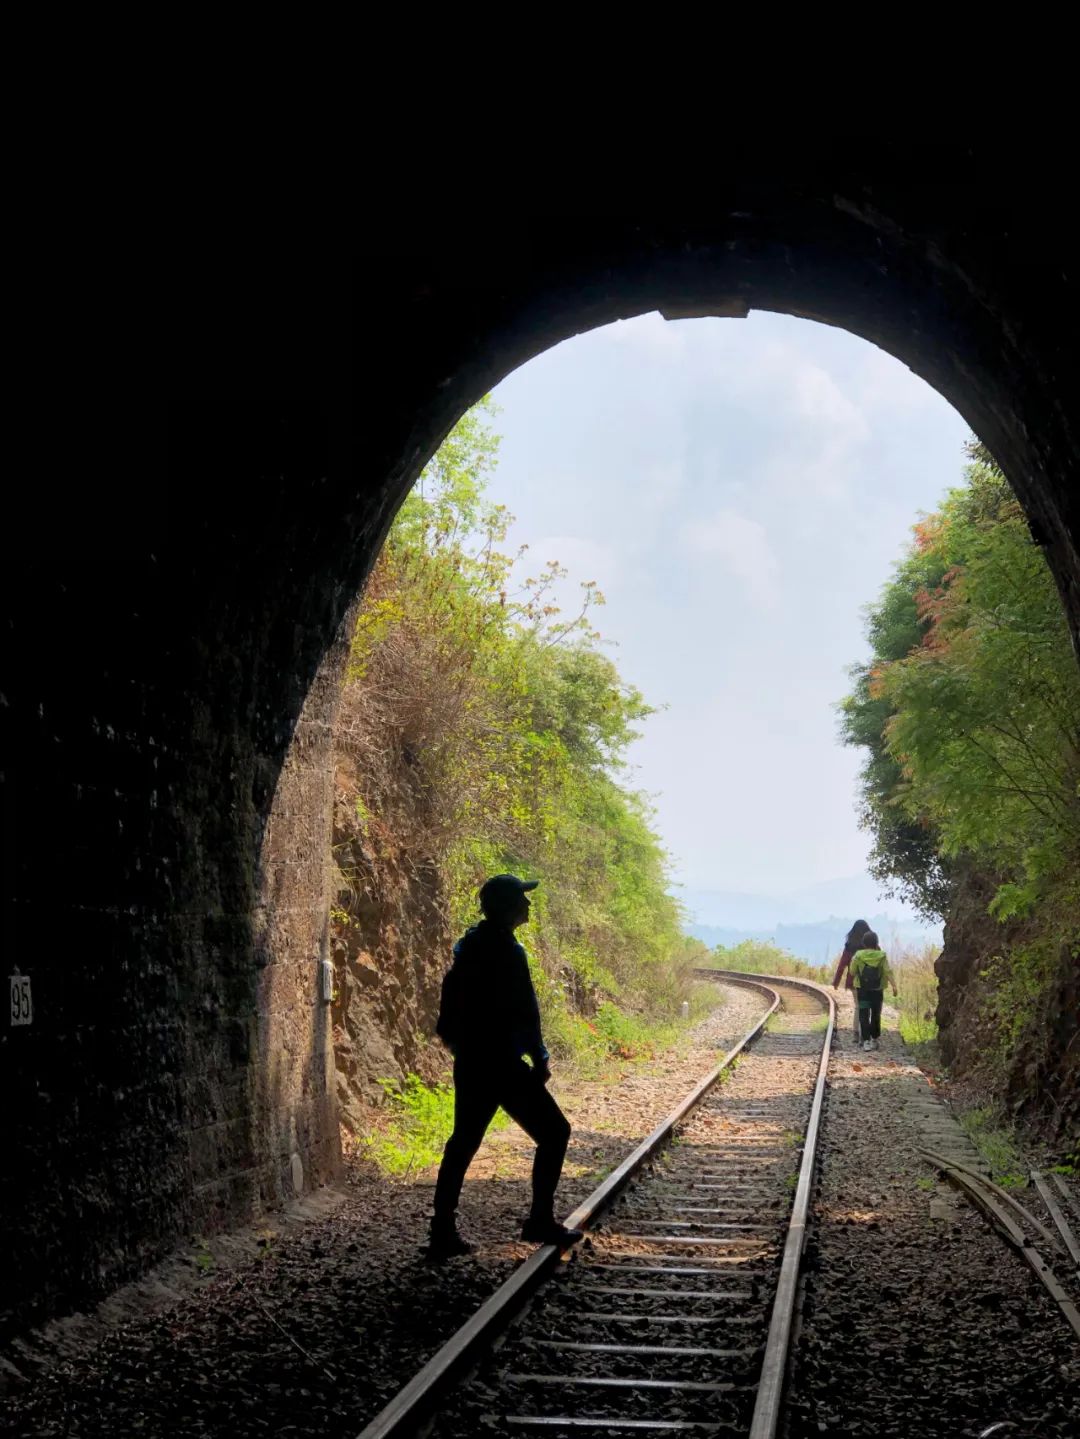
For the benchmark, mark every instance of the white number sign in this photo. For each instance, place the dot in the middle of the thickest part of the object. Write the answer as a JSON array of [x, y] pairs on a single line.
[[22, 1010]]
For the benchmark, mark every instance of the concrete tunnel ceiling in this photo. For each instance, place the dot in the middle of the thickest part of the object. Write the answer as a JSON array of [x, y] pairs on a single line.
[[177, 1073]]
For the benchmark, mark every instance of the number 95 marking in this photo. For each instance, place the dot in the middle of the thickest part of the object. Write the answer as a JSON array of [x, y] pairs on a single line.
[[22, 1009]]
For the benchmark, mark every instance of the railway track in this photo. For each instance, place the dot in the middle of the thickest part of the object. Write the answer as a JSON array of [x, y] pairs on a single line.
[[674, 1316]]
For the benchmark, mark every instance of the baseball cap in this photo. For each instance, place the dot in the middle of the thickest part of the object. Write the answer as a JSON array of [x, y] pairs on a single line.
[[502, 890]]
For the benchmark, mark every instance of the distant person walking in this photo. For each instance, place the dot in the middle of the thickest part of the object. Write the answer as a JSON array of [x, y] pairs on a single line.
[[489, 1019], [851, 944], [869, 973]]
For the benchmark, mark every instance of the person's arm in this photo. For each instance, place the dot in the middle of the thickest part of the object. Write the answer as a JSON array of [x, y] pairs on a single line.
[[845, 960], [532, 1041], [891, 977]]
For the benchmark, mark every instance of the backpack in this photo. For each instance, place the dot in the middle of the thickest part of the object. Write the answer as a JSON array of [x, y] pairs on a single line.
[[450, 1024], [871, 976]]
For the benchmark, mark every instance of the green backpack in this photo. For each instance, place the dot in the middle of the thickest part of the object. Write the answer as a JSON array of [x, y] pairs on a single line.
[[872, 976]]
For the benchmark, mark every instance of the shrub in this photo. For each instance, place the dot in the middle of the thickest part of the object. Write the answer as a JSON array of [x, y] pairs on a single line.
[[421, 1121], [754, 956]]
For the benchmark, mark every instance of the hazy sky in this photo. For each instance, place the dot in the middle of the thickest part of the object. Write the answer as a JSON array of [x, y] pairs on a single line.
[[739, 490]]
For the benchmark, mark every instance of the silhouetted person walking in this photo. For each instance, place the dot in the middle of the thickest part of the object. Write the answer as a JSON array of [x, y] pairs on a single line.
[[489, 1019]]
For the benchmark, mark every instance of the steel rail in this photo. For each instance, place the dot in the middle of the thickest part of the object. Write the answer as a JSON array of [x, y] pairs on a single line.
[[414, 1403], [982, 1194], [1003, 1195], [770, 1392], [1057, 1214]]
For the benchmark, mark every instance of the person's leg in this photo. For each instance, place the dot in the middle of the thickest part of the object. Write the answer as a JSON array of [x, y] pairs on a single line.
[[876, 1000], [856, 1025], [475, 1102], [531, 1105], [865, 1015]]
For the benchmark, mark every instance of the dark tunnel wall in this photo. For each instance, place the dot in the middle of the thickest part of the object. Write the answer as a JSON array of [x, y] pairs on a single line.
[[164, 882]]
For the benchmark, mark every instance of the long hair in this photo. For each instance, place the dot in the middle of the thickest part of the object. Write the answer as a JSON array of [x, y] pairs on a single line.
[[856, 932]]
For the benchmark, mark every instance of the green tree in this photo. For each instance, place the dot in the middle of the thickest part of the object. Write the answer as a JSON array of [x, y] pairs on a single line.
[[969, 708]]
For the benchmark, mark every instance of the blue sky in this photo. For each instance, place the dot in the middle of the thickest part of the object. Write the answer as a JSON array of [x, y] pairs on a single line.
[[739, 490]]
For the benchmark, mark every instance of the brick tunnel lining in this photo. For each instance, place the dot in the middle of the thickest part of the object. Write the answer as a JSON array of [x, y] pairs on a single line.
[[166, 776]]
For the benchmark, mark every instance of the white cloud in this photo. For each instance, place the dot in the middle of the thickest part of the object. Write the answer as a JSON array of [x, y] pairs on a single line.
[[830, 438], [742, 547], [819, 399], [661, 490], [650, 334], [823, 409], [680, 465], [885, 384]]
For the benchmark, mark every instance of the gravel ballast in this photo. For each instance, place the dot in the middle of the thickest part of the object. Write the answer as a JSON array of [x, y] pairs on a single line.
[[919, 1321]]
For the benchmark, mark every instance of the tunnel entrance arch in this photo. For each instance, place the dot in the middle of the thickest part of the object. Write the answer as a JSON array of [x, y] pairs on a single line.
[[309, 391], [477, 314]]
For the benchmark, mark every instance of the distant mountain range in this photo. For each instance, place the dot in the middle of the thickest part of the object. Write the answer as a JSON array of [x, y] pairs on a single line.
[[793, 921]]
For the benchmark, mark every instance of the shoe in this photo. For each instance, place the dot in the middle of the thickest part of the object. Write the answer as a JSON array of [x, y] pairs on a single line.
[[549, 1231], [447, 1243], [875, 1044], [867, 1045]]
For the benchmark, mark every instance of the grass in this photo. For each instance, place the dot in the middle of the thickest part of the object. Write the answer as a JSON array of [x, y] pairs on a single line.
[[632, 1036], [995, 1143], [421, 1118], [615, 1033], [204, 1260], [626, 1035], [917, 999]]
